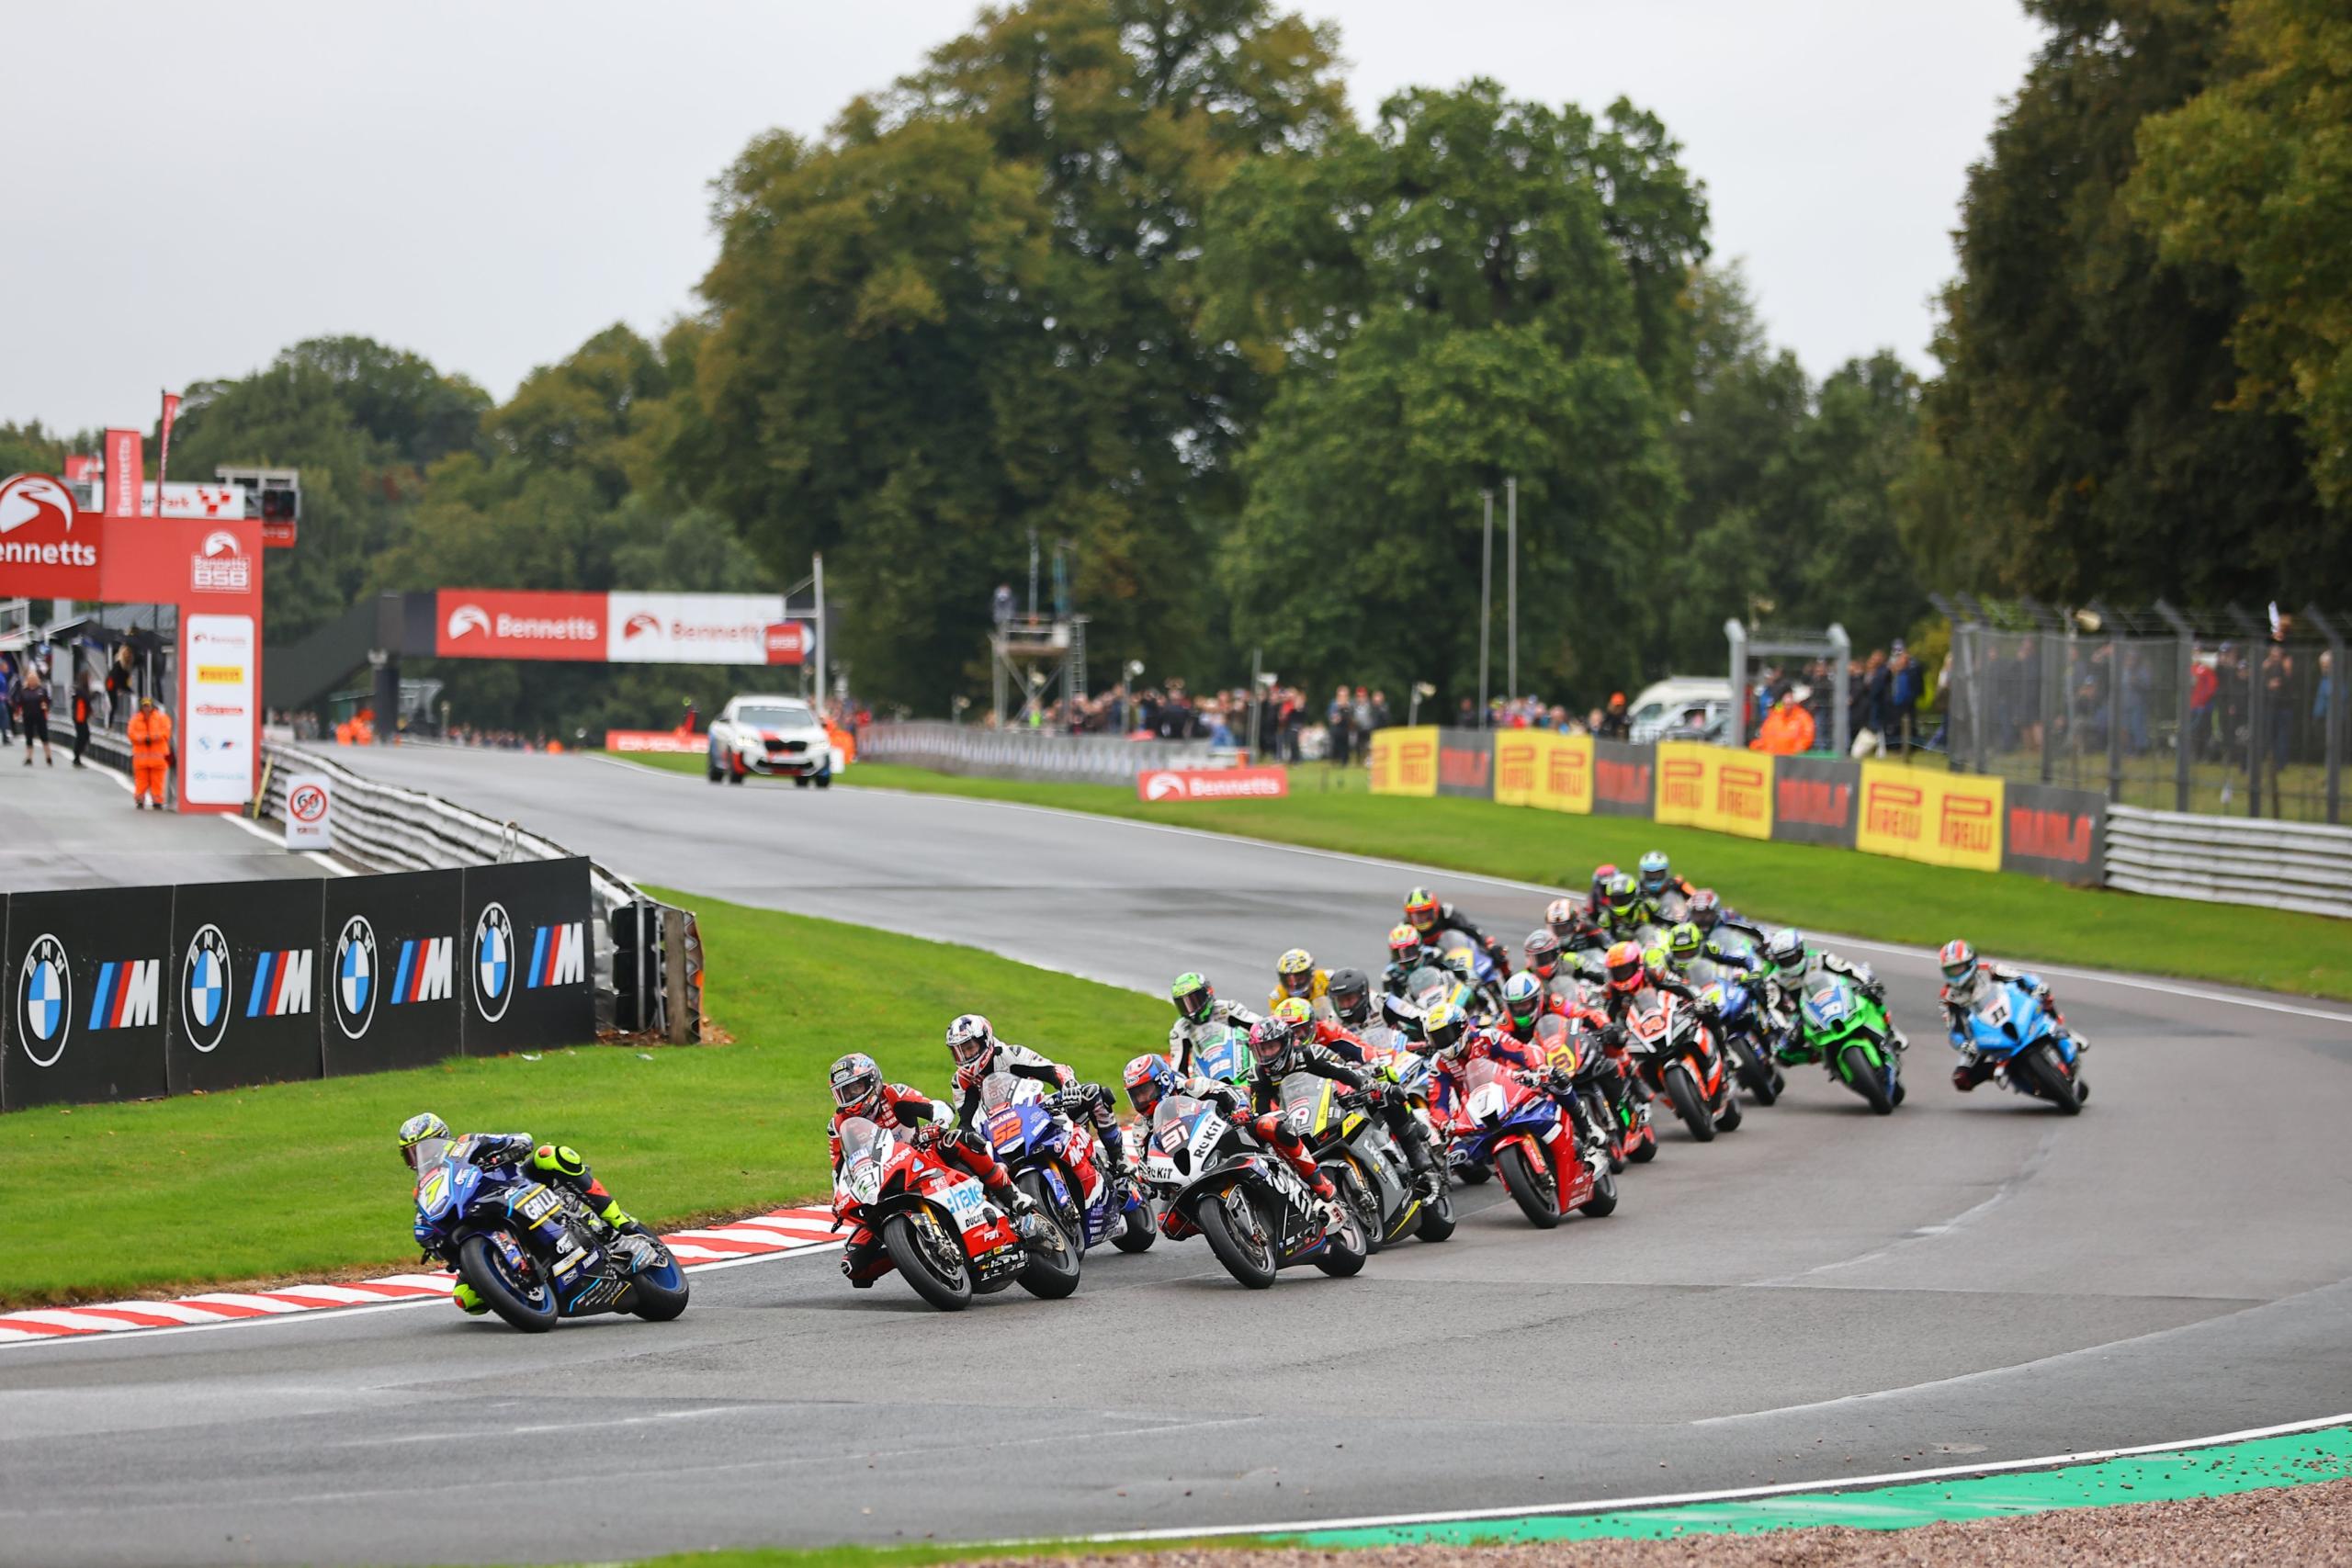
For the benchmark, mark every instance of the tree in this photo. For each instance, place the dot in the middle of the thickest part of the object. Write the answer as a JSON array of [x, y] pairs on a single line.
[[2080, 421], [2253, 177]]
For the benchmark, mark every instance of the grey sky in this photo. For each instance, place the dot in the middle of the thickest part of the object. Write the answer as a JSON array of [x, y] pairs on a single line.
[[192, 187]]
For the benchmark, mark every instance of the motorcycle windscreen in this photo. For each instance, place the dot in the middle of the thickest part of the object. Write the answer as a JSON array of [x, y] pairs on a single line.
[[1305, 1103]]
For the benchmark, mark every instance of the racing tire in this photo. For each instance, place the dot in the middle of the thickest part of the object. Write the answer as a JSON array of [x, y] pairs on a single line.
[[825, 779], [2051, 1081], [1249, 1256], [1437, 1220], [1473, 1175], [1525, 1190], [733, 777], [1050, 1273], [1759, 1079], [1733, 1115], [1344, 1250], [1139, 1233], [1865, 1079], [480, 1265], [1644, 1151], [1603, 1202], [716, 772], [800, 780], [948, 1292], [660, 1291], [1362, 1203], [1682, 1091]]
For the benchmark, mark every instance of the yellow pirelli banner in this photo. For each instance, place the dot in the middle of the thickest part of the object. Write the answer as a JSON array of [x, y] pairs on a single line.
[[1941, 818], [1538, 768], [1713, 787], [1404, 760]]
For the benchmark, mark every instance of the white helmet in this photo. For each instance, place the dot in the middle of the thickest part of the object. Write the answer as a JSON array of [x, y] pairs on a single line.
[[970, 1038]]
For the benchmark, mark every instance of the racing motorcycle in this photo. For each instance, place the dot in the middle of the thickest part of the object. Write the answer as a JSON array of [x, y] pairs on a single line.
[[1473, 968], [1363, 1161], [1674, 1052], [1739, 1028], [1581, 1053], [939, 1225], [1246, 1202], [536, 1253], [1839, 1024], [1527, 1135], [1057, 1160], [2032, 1052]]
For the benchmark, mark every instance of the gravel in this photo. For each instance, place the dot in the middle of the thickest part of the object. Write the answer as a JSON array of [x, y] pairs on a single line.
[[2294, 1525]]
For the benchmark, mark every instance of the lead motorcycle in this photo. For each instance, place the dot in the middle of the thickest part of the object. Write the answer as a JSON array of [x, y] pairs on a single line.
[[1258, 1217], [2032, 1053], [534, 1252], [940, 1227]]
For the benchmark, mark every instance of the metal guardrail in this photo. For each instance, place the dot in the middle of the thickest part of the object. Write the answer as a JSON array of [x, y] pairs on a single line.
[[1024, 755], [2230, 860]]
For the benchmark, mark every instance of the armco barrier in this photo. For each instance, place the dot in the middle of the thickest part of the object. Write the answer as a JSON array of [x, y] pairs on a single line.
[[1027, 754], [132, 993], [2229, 859]]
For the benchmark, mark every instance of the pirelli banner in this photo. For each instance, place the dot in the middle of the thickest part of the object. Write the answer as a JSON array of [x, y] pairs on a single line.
[[1710, 786], [135, 993], [1537, 768], [1465, 763], [1404, 760], [1813, 800], [1924, 814]]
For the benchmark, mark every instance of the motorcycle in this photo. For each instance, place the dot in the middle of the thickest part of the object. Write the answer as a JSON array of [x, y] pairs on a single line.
[[1256, 1214], [1529, 1138], [939, 1225], [2032, 1053], [1675, 1053], [1363, 1161], [535, 1252], [1224, 1057], [1631, 1135], [1057, 1160], [1840, 1024], [1473, 968], [1739, 1025]]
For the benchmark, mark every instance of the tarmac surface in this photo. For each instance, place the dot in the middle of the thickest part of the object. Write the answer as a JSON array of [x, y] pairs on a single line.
[[1821, 1293], [66, 827]]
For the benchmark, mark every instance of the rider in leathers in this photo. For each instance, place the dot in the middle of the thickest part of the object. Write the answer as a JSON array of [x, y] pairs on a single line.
[[1784, 988], [1350, 1048], [1427, 915], [1352, 1004], [1520, 1028], [979, 1053], [1406, 953], [1199, 1008], [1965, 976], [557, 1164], [1279, 1048], [858, 1091], [1459, 1043]]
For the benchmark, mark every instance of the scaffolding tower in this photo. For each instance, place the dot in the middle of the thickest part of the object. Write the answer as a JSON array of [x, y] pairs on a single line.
[[1038, 660]]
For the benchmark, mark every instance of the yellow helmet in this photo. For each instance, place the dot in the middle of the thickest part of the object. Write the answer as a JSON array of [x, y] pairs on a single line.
[[1296, 971], [1293, 1011]]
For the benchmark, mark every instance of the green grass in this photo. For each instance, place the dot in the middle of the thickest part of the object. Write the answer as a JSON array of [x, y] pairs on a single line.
[[105, 1201], [1829, 889]]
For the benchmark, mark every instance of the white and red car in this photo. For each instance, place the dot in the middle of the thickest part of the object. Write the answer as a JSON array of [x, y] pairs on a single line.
[[771, 736]]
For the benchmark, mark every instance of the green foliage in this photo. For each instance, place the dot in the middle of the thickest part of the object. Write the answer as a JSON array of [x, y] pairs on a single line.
[[2080, 430], [30, 449]]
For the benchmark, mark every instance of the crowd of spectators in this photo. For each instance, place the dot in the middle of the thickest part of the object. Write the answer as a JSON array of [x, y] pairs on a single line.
[[1790, 708]]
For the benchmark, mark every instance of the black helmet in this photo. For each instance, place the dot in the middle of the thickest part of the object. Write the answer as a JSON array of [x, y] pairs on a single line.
[[1350, 992]]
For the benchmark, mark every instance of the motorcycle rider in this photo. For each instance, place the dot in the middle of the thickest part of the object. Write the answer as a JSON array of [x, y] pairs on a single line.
[[1966, 978], [1783, 986], [1526, 1005], [1426, 914], [1602, 876], [1350, 1049], [1576, 929], [979, 1053], [1686, 943], [1621, 911], [425, 1139], [1295, 976], [858, 1091], [1545, 961], [1707, 912], [1351, 1006], [1198, 1009], [1657, 879], [1282, 1045], [1458, 1041], [1406, 953]]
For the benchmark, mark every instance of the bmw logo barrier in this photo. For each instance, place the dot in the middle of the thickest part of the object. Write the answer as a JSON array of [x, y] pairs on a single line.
[[530, 970], [245, 991], [85, 1014], [395, 972]]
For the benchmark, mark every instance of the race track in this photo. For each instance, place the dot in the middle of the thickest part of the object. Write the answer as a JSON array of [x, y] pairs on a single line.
[[1823, 1293]]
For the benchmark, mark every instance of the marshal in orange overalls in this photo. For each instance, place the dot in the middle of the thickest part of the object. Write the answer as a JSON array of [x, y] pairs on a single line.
[[151, 748]]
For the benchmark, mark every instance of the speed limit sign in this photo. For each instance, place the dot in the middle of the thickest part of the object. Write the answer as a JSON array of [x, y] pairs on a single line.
[[310, 809]]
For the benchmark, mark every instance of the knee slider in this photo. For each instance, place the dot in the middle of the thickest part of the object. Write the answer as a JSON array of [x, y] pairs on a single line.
[[559, 1158]]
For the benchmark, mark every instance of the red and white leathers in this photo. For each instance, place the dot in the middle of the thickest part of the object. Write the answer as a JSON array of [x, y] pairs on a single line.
[[904, 1107]]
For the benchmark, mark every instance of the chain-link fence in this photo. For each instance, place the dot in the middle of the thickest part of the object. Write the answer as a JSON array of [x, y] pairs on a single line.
[[2238, 715]]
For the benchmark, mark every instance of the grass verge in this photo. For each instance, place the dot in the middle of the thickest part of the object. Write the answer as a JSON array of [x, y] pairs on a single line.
[[1830, 889], [301, 1179]]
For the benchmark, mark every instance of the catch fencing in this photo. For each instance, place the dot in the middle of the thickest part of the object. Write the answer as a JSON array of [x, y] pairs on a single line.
[[1024, 755], [131, 993]]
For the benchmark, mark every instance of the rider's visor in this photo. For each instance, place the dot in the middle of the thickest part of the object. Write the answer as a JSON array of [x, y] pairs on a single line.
[[425, 1153], [1194, 1004], [856, 1090]]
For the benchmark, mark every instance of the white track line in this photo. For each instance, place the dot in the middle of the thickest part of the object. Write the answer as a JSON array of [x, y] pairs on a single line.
[[1728, 1494]]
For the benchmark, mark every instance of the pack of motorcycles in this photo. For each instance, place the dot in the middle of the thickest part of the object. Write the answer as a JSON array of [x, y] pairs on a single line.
[[1194, 1169]]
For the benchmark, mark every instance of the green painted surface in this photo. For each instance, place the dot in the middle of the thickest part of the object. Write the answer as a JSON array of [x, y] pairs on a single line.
[[2296, 1459]]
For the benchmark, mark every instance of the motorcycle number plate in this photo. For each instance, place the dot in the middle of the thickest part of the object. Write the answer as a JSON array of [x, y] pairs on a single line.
[[1004, 1127], [1997, 1010]]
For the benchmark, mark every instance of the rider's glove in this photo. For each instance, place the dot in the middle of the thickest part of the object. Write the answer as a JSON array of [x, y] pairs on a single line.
[[928, 1135], [1613, 1036]]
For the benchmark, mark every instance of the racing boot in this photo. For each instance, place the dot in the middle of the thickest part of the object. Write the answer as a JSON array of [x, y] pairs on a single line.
[[469, 1299]]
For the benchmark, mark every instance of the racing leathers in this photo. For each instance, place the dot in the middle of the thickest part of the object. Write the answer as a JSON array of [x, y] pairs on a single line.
[[1185, 1035], [1974, 1069], [1596, 1064], [1350, 1049], [1064, 1093], [1783, 995], [1273, 1128], [904, 1107], [1450, 919], [558, 1164]]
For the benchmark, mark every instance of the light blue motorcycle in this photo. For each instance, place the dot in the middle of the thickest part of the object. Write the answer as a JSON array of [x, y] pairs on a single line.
[[2010, 1026]]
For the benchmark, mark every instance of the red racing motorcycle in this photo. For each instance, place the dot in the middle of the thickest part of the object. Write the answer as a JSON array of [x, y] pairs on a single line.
[[939, 1225]]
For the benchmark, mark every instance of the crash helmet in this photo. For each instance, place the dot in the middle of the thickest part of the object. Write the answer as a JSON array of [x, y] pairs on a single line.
[[1561, 917], [1706, 910], [1150, 1079], [1627, 969], [1445, 1026], [1658, 873], [1684, 943], [1542, 951], [1193, 996], [1602, 876], [857, 1084], [1421, 910], [1404, 941], [1269, 1039], [1623, 896], [1350, 994], [1295, 1014], [425, 1138], [1655, 957], [1523, 999], [970, 1041], [1295, 972], [1962, 977], [1784, 949]]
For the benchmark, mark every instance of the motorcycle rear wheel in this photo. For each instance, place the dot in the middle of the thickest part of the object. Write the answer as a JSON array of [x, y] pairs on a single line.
[[1863, 1076], [1139, 1233], [2052, 1081], [949, 1291], [1683, 1092], [481, 1265], [1436, 1223], [1526, 1190], [659, 1291], [1051, 1271], [1248, 1254]]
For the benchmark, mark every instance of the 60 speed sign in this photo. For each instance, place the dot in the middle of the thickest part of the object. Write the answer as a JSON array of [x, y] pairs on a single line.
[[309, 810]]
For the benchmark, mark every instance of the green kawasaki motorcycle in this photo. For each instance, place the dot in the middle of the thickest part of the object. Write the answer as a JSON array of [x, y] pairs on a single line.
[[1841, 1026]]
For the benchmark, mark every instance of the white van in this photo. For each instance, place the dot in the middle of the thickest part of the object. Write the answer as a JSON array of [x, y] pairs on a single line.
[[1666, 703]]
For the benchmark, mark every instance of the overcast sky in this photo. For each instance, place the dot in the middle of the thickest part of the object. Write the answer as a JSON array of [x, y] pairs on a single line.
[[192, 187]]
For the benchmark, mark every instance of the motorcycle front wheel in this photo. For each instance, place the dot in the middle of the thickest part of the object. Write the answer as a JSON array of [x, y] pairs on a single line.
[[528, 1304], [2052, 1081], [1345, 1246], [946, 1283], [1051, 1271], [659, 1291], [1526, 1190], [1865, 1078], [1239, 1236], [1361, 1203], [1436, 1223], [1683, 1092], [1139, 1233], [1603, 1202]]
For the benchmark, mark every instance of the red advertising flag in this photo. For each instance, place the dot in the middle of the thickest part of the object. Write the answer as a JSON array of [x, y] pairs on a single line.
[[126, 472], [164, 448], [488, 622], [787, 642]]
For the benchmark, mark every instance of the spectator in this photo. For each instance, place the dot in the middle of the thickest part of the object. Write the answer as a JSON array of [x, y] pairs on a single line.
[[1001, 608], [1338, 724], [32, 713], [1871, 697], [2202, 685], [1902, 697], [84, 698], [7, 698], [151, 754], [1786, 730], [1381, 717], [1615, 724]]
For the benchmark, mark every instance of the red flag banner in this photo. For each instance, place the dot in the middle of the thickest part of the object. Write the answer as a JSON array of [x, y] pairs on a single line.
[[164, 448]]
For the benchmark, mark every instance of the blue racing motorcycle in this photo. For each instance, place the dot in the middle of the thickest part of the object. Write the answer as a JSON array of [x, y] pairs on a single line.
[[2032, 1053], [1059, 1161], [533, 1251]]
